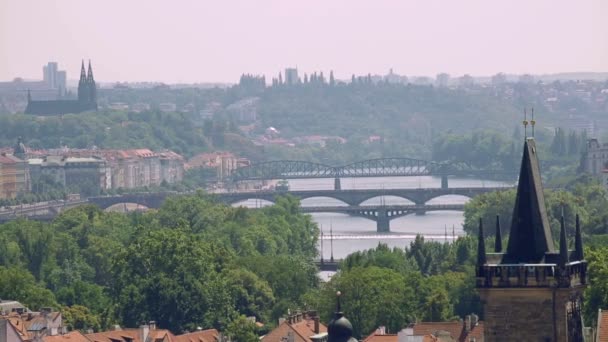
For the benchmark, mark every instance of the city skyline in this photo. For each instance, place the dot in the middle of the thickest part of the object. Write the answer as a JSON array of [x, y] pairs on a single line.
[[191, 42]]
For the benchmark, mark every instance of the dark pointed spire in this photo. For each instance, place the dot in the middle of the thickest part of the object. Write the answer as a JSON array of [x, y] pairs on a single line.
[[498, 237], [83, 87], [83, 75], [578, 242], [481, 246], [90, 78], [530, 237], [563, 244]]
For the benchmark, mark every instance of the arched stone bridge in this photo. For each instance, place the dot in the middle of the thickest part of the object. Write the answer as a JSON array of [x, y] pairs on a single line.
[[357, 196], [383, 214]]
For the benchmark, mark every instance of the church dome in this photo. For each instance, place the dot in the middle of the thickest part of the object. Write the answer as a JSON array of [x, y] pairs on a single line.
[[339, 328]]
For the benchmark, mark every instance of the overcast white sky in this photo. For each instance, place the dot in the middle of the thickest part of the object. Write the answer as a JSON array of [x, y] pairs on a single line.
[[206, 41]]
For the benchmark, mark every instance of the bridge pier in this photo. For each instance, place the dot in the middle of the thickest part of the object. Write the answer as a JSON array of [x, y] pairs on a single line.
[[444, 181], [383, 225], [383, 221], [337, 185], [420, 212]]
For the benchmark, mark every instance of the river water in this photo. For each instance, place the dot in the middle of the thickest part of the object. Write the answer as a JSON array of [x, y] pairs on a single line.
[[351, 234]]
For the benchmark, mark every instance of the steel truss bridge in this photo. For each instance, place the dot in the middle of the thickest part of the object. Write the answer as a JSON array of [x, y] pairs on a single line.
[[384, 167]]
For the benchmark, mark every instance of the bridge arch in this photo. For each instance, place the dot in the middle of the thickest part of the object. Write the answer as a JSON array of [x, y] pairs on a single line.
[[252, 203], [126, 207], [150, 200], [388, 199], [333, 201], [451, 198]]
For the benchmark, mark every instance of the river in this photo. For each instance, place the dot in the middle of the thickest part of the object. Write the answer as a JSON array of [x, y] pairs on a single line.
[[351, 234]]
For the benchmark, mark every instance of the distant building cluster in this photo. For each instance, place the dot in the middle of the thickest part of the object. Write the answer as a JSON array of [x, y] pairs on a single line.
[[221, 163], [595, 161], [87, 94], [14, 176], [20, 324], [54, 78], [21, 171]]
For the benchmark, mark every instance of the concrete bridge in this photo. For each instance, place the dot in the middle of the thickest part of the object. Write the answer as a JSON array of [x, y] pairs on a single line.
[[418, 196], [383, 214], [152, 200]]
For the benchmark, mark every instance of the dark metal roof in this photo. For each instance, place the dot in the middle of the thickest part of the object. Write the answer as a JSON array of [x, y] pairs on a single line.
[[530, 237], [58, 107]]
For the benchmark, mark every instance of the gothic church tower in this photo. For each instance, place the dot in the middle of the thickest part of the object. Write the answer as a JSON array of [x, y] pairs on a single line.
[[532, 292], [83, 87]]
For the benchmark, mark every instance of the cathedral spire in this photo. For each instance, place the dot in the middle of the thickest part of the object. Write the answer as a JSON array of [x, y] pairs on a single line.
[[498, 237], [90, 78], [481, 246], [83, 87], [92, 87], [83, 75], [530, 237]]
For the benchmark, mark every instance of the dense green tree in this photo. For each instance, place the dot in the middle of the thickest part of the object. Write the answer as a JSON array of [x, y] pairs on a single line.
[[373, 296], [242, 330], [169, 277], [596, 294], [253, 296], [18, 284], [79, 317]]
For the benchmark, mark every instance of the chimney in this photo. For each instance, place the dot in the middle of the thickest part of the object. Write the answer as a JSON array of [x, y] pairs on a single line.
[[315, 318], [467, 323], [117, 327], [152, 325], [144, 331], [281, 320]]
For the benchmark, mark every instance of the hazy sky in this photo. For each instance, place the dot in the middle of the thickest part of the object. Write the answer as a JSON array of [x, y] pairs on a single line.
[[205, 41]]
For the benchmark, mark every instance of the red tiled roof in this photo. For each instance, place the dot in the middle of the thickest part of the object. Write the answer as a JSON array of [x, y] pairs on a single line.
[[455, 329], [301, 331], [381, 338], [209, 335], [129, 335], [72, 336], [6, 160], [602, 326]]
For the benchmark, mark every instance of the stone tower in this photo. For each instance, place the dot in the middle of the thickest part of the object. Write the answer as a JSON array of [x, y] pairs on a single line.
[[92, 87], [532, 292], [83, 86]]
